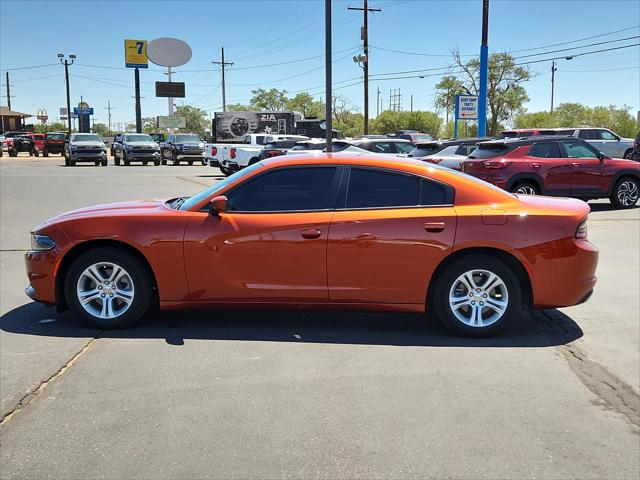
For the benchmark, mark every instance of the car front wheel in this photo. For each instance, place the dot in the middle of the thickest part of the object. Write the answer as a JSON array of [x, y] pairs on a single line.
[[625, 193], [525, 188], [108, 288], [477, 295]]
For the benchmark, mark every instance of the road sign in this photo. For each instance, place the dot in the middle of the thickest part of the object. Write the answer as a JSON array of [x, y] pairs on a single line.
[[172, 122], [170, 89], [82, 111], [169, 52], [135, 54], [467, 107]]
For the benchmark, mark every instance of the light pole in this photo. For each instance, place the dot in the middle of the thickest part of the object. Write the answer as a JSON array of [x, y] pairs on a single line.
[[553, 81], [66, 63], [484, 67]]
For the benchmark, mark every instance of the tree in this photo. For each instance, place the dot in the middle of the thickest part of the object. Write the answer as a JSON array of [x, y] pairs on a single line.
[[149, 125], [101, 129], [273, 99], [388, 121], [350, 124], [505, 94], [237, 107], [536, 120], [391, 121], [449, 87], [196, 119], [304, 103], [50, 127]]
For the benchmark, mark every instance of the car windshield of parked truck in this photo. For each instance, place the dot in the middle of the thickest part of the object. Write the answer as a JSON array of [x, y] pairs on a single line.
[[86, 137], [216, 187], [55, 136], [138, 138], [187, 138]]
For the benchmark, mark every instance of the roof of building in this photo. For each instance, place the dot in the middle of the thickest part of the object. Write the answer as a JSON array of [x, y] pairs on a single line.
[[5, 112]]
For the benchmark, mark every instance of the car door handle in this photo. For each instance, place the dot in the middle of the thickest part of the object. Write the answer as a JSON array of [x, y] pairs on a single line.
[[575, 164], [310, 233], [434, 226], [535, 165]]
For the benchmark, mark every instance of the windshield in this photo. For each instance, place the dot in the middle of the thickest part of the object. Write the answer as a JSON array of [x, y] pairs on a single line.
[[450, 150], [86, 138], [55, 136], [187, 138], [216, 187], [138, 138], [490, 151], [421, 138], [424, 150]]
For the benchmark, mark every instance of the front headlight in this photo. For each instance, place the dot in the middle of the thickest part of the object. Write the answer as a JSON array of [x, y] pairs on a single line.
[[41, 243]]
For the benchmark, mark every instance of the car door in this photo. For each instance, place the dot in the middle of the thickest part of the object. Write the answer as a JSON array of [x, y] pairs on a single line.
[[270, 245], [609, 144], [166, 151], [388, 234], [552, 167], [588, 177]]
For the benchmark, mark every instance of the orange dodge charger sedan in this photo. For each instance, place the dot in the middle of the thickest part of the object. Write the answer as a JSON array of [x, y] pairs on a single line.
[[331, 231]]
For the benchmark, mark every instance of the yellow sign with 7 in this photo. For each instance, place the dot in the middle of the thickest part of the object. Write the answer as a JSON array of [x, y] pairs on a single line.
[[135, 54]]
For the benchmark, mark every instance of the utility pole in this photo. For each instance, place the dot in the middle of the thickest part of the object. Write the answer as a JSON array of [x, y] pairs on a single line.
[[108, 108], [365, 39], [484, 67], [8, 93], [378, 102], [223, 64], [553, 80], [412, 102], [328, 121], [66, 63]]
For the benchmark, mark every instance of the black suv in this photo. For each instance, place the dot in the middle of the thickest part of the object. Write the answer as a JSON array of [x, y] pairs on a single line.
[[183, 146]]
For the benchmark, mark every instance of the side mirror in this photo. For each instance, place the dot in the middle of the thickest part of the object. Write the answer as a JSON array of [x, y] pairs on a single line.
[[601, 156], [218, 205]]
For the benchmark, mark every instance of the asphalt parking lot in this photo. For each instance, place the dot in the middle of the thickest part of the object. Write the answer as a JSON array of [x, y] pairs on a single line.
[[252, 394]]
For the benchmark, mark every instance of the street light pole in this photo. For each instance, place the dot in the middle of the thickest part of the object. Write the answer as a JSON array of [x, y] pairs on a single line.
[[328, 122], [553, 81], [66, 63]]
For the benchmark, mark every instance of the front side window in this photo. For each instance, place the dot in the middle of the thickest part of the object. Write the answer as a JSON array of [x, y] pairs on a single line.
[[288, 189], [544, 150], [404, 147], [380, 189], [579, 150], [607, 135]]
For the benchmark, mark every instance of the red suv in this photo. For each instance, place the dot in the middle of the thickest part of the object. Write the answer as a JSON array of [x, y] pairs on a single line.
[[555, 165]]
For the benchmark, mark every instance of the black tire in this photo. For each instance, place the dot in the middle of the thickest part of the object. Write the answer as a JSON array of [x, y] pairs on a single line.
[[97, 163], [137, 272], [164, 161], [36, 153], [72, 163], [254, 160], [45, 153], [628, 154], [525, 188], [190, 162], [103, 163], [225, 171], [145, 163], [625, 192], [156, 163], [66, 162], [116, 161], [13, 152], [204, 162], [449, 278], [125, 161]]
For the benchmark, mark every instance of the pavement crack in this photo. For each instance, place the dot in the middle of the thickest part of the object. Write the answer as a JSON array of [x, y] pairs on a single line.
[[614, 394], [194, 181], [33, 394]]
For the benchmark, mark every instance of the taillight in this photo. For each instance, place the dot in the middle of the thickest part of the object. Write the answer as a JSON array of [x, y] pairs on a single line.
[[581, 231], [214, 151], [495, 164], [272, 153], [433, 160], [232, 153]]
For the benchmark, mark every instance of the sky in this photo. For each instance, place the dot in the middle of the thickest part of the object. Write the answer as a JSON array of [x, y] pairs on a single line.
[[258, 34]]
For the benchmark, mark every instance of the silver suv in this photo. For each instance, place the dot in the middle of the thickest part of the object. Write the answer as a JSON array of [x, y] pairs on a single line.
[[609, 143], [136, 147], [85, 147]]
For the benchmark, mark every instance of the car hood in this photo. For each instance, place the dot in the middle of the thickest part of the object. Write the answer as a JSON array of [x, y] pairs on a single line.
[[109, 209]]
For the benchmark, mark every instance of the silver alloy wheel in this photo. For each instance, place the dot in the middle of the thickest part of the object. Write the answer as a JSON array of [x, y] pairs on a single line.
[[525, 190], [478, 298], [627, 193], [105, 290]]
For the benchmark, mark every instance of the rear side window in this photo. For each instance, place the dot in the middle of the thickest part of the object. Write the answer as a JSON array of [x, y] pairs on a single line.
[[404, 147], [290, 189], [380, 147], [545, 150], [588, 135], [379, 189]]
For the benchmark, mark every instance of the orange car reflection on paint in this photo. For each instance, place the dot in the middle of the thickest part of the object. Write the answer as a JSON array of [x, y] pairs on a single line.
[[334, 231]]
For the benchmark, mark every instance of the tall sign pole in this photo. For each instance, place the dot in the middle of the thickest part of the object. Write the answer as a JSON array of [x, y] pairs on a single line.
[[8, 93], [138, 109], [135, 56], [328, 76], [484, 67], [223, 64], [66, 64], [553, 81]]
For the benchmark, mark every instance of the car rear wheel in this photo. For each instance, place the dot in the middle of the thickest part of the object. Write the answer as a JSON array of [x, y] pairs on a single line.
[[525, 188], [625, 193], [628, 154], [103, 162], [225, 171], [477, 295], [156, 163], [13, 152], [116, 160], [36, 153], [108, 288], [45, 153]]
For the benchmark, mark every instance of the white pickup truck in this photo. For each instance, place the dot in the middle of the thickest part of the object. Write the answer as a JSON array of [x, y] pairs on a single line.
[[230, 157]]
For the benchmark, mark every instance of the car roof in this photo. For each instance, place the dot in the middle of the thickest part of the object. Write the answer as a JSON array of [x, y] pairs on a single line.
[[378, 140], [451, 141], [529, 140]]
